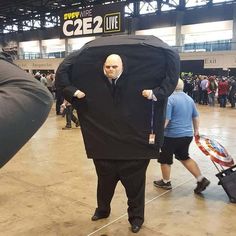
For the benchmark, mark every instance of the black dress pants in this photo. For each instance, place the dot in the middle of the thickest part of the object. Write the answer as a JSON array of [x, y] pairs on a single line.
[[70, 116], [132, 174]]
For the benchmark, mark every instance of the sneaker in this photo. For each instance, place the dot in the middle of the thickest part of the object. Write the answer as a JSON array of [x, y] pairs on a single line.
[[201, 186], [162, 184], [67, 127]]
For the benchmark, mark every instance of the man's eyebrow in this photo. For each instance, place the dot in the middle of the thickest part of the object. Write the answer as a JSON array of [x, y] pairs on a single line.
[[113, 66]]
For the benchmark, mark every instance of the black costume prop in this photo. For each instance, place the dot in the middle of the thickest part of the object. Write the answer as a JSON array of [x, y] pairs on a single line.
[[116, 123], [24, 106]]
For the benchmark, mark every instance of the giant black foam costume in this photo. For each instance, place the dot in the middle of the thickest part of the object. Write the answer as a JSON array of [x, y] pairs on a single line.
[[118, 126], [24, 106], [116, 123]]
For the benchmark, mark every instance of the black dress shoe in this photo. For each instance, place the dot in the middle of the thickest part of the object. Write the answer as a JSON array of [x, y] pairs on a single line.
[[135, 228], [97, 216]]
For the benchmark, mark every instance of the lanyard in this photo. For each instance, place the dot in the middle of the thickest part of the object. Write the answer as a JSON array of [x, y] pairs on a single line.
[[152, 118], [152, 135]]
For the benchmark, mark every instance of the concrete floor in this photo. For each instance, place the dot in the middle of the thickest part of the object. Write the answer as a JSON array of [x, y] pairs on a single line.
[[49, 189]]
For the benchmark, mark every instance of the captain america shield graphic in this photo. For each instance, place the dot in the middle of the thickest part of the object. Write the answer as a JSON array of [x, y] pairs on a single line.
[[214, 150]]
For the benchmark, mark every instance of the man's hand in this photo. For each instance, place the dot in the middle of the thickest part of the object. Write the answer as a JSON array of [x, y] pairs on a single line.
[[196, 133], [196, 126], [147, 93], [79, 94]]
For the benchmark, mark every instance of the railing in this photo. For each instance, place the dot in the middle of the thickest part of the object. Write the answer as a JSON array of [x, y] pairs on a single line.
[[29, 56], [223, 45]]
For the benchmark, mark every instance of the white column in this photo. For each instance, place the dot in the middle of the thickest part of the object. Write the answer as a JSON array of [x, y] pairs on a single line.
[[179, 39], [234, 28]]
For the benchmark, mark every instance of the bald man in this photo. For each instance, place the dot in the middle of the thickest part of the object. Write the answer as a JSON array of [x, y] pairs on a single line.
[[111, 81], [113, 67], [182, 123], [131, 173]]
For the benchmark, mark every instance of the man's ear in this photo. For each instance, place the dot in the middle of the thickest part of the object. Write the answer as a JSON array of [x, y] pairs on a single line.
[[104, 72], [124, 64]]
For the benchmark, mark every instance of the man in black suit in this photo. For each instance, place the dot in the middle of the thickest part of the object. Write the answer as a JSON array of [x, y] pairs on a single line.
[[131, 173], [109, 81]]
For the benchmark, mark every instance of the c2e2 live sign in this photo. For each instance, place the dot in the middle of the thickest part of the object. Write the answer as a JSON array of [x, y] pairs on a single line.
[[104, 19]]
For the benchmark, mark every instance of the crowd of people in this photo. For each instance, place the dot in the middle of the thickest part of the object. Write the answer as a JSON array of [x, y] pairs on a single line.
[[48, 80], [211, 90], [204, 90]]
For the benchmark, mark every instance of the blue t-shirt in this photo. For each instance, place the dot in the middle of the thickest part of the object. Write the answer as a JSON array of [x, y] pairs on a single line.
[[180, 111]]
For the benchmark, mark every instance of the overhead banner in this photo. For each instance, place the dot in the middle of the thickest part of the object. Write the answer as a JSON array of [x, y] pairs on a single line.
[[101, 19]]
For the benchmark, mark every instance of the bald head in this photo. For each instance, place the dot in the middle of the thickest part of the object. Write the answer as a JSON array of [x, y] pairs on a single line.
[[113, 66], [180, 86]]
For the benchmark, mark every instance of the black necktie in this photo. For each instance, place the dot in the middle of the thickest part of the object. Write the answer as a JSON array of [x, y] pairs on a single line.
[[113, 85]]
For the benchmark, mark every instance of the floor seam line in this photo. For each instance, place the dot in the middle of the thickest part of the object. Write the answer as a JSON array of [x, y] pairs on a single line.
[[104, 226]]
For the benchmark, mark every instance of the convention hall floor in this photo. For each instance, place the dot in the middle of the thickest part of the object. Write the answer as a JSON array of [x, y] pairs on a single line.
[[49, 189]]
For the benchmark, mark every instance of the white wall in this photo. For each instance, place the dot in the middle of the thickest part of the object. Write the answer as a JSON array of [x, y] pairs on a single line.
[[166, 34], [207, 32], [194, 33], [53, 45], [29, 46], [77, 43]]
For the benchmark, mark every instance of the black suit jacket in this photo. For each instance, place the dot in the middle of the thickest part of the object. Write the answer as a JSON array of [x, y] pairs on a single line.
[[118, 126]]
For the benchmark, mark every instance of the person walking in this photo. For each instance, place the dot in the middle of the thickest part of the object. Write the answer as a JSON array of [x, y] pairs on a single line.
[[223, 89], [232, 92], [67, 109], [182, 123]]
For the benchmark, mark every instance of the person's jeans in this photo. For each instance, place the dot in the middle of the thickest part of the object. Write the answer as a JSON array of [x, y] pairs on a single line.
[[70, 116], [232, 100], [204, 97], [223, 100], [211, 99]]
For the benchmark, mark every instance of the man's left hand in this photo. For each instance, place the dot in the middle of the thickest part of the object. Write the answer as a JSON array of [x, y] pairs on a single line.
[[147, 93]]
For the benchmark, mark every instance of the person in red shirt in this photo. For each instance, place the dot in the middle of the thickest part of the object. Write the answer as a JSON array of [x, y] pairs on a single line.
[[223, 89]]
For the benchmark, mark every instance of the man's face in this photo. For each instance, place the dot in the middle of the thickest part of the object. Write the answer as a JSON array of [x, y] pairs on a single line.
[[113, 66]]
